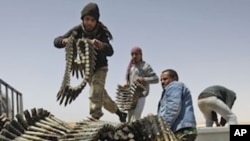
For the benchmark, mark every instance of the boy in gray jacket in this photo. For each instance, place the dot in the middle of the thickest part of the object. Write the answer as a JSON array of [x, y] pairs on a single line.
[[140, 71]]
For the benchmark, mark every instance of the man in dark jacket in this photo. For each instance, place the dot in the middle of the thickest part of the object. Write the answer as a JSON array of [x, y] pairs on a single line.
[[217, 99], [99, 36]]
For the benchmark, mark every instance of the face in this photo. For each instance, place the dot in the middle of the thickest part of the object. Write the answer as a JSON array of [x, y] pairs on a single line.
[[89, 23], [165, 79], [136, 57]]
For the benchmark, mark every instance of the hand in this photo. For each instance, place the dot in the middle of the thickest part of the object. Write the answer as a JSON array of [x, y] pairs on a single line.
[[125, 85], [65, 41], [140, 80], [97, 44]]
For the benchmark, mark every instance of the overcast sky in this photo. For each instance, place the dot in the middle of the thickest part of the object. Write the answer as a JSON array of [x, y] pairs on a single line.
[[206, 41]]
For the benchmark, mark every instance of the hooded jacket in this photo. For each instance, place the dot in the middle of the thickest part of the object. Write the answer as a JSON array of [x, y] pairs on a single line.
[[100, 32]]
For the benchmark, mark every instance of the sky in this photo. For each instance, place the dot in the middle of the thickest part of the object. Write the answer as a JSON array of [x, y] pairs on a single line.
[[206, 41]]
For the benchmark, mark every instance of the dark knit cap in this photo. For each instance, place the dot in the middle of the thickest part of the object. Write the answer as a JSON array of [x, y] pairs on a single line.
[[91, 9]]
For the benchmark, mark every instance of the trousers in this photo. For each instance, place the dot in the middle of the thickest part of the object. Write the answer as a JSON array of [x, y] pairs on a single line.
[[135, 114], [212, 103], [98, 95]]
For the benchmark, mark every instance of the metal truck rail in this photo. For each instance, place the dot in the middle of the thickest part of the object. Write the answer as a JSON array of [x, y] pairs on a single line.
[[11, 100]]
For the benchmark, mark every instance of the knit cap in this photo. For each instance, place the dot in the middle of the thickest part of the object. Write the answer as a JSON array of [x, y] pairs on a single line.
[[91, 9]]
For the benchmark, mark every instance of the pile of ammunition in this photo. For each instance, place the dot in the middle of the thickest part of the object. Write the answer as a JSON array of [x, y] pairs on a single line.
[[37, 125], [41, 125]]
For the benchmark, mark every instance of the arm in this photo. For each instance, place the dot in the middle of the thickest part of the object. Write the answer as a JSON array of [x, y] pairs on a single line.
[[214, 118], [172, 104], [151, 76], [59, 42], [230, 98], [229, 101], [107, 48]]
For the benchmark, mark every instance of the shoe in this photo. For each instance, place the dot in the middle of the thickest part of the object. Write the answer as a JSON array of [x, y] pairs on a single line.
[[123, 117]]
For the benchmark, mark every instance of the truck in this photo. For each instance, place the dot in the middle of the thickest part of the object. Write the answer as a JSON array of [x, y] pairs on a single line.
[[11, 104]]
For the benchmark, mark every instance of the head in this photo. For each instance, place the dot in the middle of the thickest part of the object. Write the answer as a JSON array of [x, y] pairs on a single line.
[[168, 76], [90, 16], [136, 54]]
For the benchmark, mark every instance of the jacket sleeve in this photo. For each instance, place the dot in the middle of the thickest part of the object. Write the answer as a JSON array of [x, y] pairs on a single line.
[[108, 48], [230, 99], [58, 40], [151, 76], [172, 104], [229, 102]]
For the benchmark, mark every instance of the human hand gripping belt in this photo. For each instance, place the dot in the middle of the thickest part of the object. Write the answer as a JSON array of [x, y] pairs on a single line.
[[80, 59], [127, 97]]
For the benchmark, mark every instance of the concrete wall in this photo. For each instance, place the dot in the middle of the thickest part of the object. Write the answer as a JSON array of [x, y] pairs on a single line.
[[213, 134]]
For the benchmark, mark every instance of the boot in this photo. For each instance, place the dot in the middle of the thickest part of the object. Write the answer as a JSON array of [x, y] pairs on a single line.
[[122, 115]]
